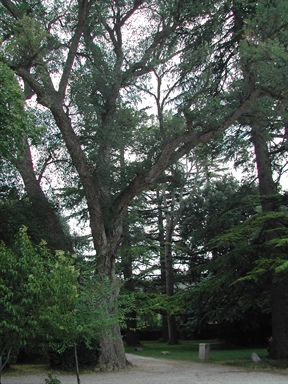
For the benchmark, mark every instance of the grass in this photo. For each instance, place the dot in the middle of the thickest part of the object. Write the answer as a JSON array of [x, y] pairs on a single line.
[[34, 369], [189, 351], [26, 369]]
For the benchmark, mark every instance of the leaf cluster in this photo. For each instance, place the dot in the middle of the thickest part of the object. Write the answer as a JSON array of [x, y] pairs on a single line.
[[245, 260]]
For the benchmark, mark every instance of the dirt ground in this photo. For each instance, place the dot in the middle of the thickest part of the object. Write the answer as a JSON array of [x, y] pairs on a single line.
[[159, 371]]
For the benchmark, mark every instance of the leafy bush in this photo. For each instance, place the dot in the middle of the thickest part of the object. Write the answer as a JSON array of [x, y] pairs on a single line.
[[35, 352], [52, 380], [65, 360], [38, 294]]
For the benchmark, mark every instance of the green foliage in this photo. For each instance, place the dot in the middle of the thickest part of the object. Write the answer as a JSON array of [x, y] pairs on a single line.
[[28, 43], [236, 279], [263, 48], [42, 300], [219, 205], [14, 120], [16, 211], [38, 292], [252, 238], [65, 360], [52, 379]]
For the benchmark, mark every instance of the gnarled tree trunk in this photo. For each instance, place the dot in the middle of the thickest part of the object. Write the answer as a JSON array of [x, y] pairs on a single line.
[[112, 356], [112, 352]]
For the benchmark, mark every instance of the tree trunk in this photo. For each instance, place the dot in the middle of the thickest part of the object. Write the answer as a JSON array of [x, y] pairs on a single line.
[[169, 228], [106, 229], [132, 336], [279, 290], [112, 356], [76, 364], [279, 306], [112, 352], [161, 236], [172, 327], [43, 210]]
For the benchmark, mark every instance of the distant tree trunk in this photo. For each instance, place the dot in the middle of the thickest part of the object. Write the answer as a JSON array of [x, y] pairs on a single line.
[[169, 228], [43, 210], [172, 328], [161, 236], [132, 336], [279, 290]]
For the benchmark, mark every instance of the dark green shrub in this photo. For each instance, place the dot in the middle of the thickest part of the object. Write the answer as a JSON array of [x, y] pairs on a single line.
[[35, 352], [87, 357], [52, 380]]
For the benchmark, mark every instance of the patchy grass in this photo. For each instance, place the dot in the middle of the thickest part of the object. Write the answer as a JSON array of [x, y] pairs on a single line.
[[31, 369], [26, 369], [189, 351]]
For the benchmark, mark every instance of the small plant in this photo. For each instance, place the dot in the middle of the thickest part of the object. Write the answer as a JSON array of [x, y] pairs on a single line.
[[52, 380]]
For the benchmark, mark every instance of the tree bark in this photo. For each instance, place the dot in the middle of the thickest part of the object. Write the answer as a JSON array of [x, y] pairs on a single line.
[[279, 286], [112, 356]]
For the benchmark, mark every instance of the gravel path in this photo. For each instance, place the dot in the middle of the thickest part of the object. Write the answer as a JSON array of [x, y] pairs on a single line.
[[158, 371]]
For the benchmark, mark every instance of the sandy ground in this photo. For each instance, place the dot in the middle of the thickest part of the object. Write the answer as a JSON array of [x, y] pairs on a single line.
[[158, 371]]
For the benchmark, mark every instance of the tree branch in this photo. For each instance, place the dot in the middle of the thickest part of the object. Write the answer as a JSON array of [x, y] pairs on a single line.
[[82, 14], [173, 150], [15, 12]]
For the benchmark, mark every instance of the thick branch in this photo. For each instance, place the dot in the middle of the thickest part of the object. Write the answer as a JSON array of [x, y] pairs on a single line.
[[136, 5], [15, 12], [85, 173], [44, 97], [173, 150], [73, 48]]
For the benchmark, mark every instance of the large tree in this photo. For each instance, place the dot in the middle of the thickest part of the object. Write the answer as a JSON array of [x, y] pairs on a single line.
[[86, 61]]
